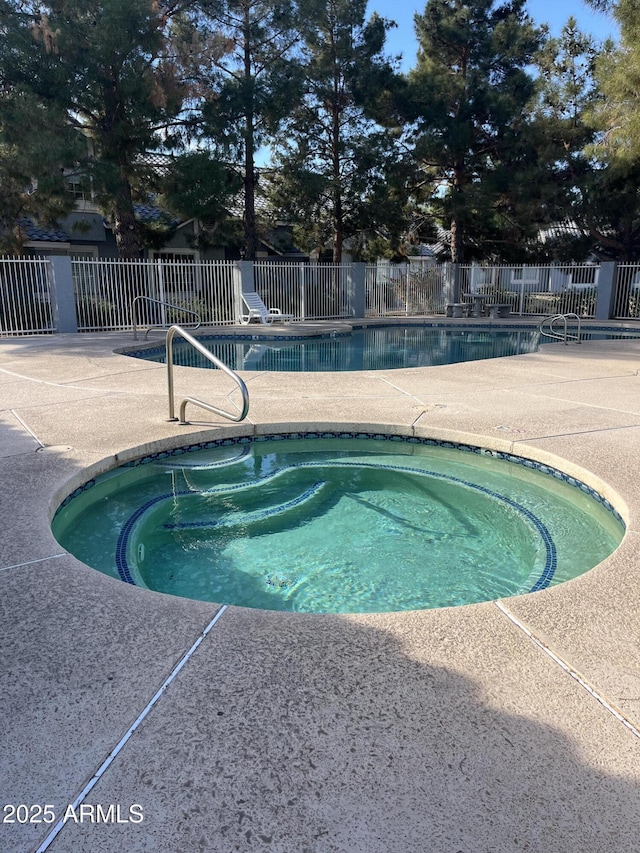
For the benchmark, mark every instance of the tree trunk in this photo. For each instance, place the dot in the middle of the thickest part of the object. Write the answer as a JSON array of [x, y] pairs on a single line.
[[457, 241], [457, 224], [338, 238], [125, 227], [338, 226], [250, 225], [125, 230]]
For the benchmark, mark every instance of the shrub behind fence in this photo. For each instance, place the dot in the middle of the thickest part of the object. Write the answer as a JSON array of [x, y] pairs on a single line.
[[535, 290], [627, 300], [406, 290]]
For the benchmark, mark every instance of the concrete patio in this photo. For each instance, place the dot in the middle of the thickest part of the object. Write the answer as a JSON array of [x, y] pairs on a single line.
[[504, 726]]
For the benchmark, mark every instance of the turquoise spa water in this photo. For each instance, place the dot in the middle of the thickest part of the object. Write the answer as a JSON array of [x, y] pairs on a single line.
[[373, 348], [337, 525]]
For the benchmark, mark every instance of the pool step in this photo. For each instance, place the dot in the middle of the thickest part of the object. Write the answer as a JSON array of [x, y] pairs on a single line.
[[245, 518], [272, 476], [151, 517], [181, 465]]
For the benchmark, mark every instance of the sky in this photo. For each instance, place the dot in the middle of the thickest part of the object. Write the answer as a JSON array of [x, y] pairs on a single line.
[[552, 12]]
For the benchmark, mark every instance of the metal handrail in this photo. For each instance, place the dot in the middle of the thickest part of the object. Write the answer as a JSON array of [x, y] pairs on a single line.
[[214, 360], [565, 337], [134, 313]]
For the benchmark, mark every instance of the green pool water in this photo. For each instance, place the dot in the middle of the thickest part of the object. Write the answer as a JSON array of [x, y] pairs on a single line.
[[337, 525]]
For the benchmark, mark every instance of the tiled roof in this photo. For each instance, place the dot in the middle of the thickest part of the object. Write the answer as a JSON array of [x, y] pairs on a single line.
[[148, 213], [151, 213], [44, 235]]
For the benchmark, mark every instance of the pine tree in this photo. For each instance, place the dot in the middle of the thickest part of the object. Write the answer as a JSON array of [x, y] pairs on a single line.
[[252, 85], [566, 90], [608, 202], [201, 187], [608, 209], [617, 115], [110, 67], [467, 98], [336, 166], [36, 147]]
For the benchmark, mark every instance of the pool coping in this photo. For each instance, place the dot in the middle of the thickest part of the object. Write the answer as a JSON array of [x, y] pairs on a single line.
[[547, 463]]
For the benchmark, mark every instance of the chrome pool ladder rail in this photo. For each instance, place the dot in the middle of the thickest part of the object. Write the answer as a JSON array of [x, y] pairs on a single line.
[[566, 336], [175, 329], [164, 304]]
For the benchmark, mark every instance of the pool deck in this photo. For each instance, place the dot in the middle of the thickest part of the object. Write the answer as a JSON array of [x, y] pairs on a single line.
[[504, 726]]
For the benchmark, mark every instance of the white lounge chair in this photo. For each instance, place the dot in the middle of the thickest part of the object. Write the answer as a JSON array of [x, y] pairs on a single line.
[[258, 310]]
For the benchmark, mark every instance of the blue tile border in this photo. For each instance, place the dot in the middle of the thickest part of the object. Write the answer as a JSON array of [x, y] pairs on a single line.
[[74, 494], [393, 437], [122, 565], [209, 466], [154, 458], [249, 517]]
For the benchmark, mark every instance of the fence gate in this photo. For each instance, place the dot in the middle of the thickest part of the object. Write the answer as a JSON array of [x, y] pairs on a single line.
[[406, 290], [25, 296]]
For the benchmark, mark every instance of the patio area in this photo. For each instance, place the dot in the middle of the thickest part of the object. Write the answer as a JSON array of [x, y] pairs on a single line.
[[504, 726]]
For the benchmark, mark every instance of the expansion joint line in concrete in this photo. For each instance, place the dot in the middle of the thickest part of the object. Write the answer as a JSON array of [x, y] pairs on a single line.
[[401, 390], [59, 826], [571, 672], [30, 431], [33, 562], [578, 432]]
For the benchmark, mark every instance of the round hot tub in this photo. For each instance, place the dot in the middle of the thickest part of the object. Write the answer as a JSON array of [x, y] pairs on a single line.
[[338, 522]]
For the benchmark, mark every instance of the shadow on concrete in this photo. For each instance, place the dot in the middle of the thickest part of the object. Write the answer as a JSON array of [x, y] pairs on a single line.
[[305, 734]]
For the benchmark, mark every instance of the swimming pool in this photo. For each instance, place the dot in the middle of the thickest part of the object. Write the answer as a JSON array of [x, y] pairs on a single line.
[[338, 522], [367, 348]]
